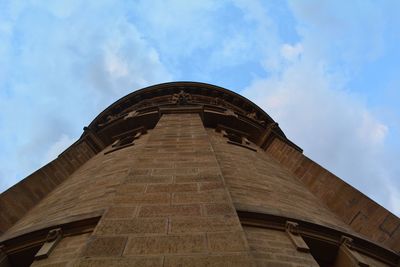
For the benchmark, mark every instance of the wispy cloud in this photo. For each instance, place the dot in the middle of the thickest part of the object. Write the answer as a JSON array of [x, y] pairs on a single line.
[[61, 64], [310, 98], [57, 148], [314, 66]]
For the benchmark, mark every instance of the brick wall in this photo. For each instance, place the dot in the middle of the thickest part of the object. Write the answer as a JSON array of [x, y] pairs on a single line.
[[354, 208], [87, 190], [38, 185], [165, 203], [274, 248], [170, 199], [257, 183], [68, 248]]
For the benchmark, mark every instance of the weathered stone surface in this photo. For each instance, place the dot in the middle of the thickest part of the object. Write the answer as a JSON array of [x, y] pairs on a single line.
[[166, 210], [122, 262], [105, 246], [211, 186], [149, 179], [120, 212], [219, 209], [150, 198], [168, 244], [274, 248], [54, 264], [204, 224], [197, 178], [171, 188], [227, 241], [234, 260], [258, 183], [350, 205], [65, 252], [169, 199], [133, 226], [176, 171], [130, 188], [200, 197]]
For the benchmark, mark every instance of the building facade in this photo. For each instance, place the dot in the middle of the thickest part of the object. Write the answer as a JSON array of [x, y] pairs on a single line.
[[190, 174]]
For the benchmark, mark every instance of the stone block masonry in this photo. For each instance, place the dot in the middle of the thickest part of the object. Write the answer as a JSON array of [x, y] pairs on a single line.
[[189, 174], [354, 208], [169, 204]]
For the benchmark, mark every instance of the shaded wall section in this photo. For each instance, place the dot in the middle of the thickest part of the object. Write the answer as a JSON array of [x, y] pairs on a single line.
[[357, 210], [20, 198], [258, 183], [164, 202]]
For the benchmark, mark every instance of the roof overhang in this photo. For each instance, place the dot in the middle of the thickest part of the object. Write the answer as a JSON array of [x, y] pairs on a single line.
[[217, 106]]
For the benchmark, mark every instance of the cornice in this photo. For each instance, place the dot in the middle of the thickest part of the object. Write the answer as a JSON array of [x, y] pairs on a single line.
[[216, 106], [324, 234]]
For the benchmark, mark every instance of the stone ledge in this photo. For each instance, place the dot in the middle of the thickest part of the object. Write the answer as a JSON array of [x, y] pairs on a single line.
[[323, 233], [364, 215], [18, 241]]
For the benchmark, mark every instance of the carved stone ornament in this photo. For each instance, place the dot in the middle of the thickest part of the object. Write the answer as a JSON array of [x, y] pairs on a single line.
[[53, 237], [230, 112], [131, 114], [144, 103], [232, 136], [218, 102], [347, 256], [347, 241], [294, 236], [181, 98], [109, 119], [253, 115], [3, 257], [273, 125]]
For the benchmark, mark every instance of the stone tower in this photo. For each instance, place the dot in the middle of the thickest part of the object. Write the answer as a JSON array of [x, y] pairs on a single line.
[[190, 174]]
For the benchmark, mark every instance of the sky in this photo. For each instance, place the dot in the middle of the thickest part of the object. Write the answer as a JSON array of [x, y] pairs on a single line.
[[326, 71]]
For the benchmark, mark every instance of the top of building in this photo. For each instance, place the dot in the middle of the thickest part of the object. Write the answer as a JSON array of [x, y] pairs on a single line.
[[217, 105], [218, 108]]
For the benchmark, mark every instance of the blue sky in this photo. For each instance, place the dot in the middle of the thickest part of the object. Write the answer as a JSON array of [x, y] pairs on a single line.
[[327, 71]]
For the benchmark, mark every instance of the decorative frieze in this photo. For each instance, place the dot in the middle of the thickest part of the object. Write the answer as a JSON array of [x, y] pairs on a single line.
[[126, 139], [181, 98], [235, 137]]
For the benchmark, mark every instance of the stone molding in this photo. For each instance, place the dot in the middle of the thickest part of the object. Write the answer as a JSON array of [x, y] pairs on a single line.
[[220, 109], [70, 226], [215, 105], [39, 184], [319, 232], [357, 210]]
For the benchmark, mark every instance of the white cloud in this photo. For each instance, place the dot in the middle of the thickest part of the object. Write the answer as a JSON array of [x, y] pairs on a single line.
[[310, 100], [60, 65], [291, 52], [351, 35], [371, 130], [60, 9], [115, 65], [394, 198], [63, 142], [333, 127], [266, 34], [178, 27], [125, 61]]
